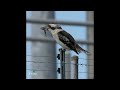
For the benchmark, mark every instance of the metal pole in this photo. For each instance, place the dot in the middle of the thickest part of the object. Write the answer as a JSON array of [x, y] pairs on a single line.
[[90, 37], [62, 61], [74, 67], [61, 68], [67, 64]]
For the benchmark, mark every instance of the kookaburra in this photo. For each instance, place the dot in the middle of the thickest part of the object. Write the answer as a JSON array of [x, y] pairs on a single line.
[[63, 38]]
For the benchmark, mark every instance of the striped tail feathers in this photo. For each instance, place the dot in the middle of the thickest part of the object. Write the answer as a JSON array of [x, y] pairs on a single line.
[[88, 53], [79, 49]]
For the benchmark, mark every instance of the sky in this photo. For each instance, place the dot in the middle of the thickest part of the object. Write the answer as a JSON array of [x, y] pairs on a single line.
[[78, 32]]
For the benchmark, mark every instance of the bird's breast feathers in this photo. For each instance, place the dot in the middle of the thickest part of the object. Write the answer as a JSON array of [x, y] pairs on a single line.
[[53, 32], [57, 38]]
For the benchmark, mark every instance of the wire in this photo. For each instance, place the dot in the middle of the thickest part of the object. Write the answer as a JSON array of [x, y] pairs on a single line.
[[42, 56], [55, 71], [41, 70], [85, 72], [56, 57], [59, 63]]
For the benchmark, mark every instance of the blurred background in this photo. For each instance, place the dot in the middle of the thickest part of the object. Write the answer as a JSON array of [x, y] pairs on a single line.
[[41, 51]]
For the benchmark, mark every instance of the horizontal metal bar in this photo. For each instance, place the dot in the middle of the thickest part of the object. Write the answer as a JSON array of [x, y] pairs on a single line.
[[40, 39], [53, 41], [60, 22]]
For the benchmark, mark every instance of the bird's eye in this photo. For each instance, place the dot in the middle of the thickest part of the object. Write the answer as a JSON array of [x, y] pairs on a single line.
[[59, 28], [49, 26], [53, 28]]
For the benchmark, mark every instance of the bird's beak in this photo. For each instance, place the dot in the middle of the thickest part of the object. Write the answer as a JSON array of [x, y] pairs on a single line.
[[45, 28]]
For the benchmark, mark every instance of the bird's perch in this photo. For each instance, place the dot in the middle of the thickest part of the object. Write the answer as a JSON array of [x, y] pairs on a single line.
[[62, 60]]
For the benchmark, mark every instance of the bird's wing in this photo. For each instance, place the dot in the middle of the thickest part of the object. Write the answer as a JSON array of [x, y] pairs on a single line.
[[67, 39]]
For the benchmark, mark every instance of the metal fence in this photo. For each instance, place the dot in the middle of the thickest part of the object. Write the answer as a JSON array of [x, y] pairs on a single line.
[[39, 62]]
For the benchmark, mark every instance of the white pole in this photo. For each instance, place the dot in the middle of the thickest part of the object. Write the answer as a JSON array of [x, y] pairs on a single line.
[[74, 67]]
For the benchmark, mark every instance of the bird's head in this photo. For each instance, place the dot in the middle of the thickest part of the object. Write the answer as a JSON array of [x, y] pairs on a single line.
[[51, 27]]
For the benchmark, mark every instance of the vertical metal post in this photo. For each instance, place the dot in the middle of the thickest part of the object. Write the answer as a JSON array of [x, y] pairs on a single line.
[[74, 67], [67, 64], [61, 67], [62, 61], [90, 36]]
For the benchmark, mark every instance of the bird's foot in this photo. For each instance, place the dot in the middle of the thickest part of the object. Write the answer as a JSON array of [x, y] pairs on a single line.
[[60, 49]]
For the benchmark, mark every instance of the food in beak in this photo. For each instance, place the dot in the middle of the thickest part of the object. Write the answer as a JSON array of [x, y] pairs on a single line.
[[43, 28]]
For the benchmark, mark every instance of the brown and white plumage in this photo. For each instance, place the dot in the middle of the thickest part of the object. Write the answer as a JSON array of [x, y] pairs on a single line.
[[64, 38]]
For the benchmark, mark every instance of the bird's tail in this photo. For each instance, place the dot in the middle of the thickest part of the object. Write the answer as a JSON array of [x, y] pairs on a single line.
[[79, 49]]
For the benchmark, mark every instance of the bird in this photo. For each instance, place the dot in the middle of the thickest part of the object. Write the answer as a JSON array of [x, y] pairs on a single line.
[[63, 38]]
